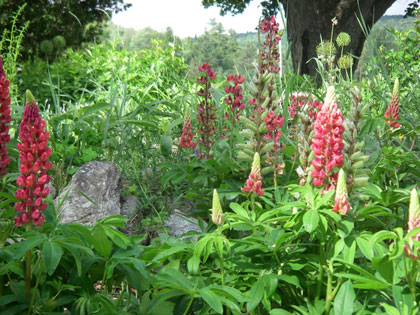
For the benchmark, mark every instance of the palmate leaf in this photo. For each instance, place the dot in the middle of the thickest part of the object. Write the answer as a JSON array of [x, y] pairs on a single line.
[[52, 253], [255, 295], [344, 300], [311, 220], [211, 299]]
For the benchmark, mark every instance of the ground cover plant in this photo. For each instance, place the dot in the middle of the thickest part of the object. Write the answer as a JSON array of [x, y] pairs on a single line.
[[306, 190]]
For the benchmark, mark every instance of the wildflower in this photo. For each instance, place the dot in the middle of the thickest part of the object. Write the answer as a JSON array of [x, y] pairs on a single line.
[[326, 48], [413, 222], [235, 99], [206, 109], [341, 203], [343, 39], [34, 153], [345, 62], [327, 143], [187, 135], [216, 211], [4, 120], [254, 181], [392, 112]]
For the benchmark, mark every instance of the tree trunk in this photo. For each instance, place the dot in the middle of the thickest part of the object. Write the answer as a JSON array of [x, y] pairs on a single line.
[[310, 20]]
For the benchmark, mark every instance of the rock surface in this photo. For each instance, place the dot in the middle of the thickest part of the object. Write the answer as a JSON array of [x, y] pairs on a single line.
[[179, 223], [100, 182]]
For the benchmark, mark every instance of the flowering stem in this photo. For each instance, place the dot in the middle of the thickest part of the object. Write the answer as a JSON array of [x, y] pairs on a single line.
[[41, 268], [28, 274], [411, 276], [103, 280], [121, 295], [222, 269], [28, 269], [189, 305], [320, 272]]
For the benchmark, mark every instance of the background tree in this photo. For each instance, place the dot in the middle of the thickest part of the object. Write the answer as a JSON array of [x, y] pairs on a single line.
[[216, 46], [54, 24], [310, 20]]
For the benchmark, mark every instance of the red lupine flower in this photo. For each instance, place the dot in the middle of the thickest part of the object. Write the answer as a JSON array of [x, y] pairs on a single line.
[[187, 135], [392, 112], [33, 156], [254, 181], [235, 100], [206, 109], [271, 61], [327, 143], [4, 120], [413, 222], [206, 68]]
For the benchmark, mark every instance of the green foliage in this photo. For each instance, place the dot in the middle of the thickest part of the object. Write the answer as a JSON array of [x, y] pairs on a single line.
[[285, 252], [74, 20]]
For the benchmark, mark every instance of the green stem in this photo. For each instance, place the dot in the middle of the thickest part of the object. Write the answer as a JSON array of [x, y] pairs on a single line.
[[320, 272], [189, 305], [330, 292], [28, 274], [103, 280], [41, 268], [129, 298], [121, 295]]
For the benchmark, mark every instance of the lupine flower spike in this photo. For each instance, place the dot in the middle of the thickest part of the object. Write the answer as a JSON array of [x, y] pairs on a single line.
[[216, 211], [254, 181], [392, 112], [327, 143], [341, 203], [34, 153], [206, 109], [4, 120], [413, 222], [187, 135]]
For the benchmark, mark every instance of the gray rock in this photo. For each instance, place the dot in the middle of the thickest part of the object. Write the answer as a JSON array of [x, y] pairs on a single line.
[[179, 223], [53, 191], [129, 205], [100, 182]]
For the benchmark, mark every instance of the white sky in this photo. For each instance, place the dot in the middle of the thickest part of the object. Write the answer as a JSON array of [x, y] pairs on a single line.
[[189, 18]]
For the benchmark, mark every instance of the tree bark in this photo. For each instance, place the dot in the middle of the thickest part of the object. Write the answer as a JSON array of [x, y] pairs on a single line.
[[310, 20]]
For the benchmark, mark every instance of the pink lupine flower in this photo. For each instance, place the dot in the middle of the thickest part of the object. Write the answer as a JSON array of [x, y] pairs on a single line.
[[187, 135], [341, 202], [392, 112], [34, 164], [4, 120], [254, 181], [413, 222], [327, 143]]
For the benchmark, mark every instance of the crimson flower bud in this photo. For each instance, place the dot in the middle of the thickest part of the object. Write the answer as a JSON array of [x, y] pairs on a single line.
[[36, 214]]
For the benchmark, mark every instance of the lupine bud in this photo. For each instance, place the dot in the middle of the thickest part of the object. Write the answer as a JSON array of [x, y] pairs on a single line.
[[392, 112], [413, 222], [33, 146], [216, 211], [4, 120], [254, 181], [341, 203]]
